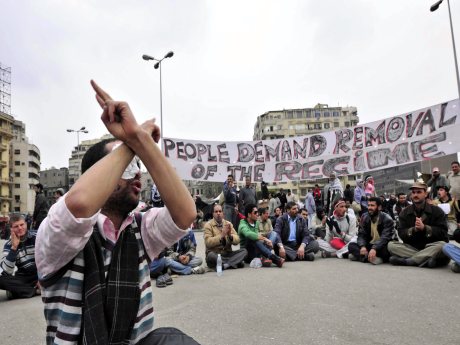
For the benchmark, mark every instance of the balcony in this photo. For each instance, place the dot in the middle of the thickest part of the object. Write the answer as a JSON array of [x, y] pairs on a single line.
[[5, 198], [3, 164], [6, 131], [3, 147], [5, 181]]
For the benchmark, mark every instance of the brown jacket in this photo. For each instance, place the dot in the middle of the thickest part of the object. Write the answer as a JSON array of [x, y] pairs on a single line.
[[215, 242]]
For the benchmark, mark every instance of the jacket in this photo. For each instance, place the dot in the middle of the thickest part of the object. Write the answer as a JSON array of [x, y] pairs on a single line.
[[248, 232], [302, 234], [435, 226], [213, 240], [346, 225], [385, 228], [185, 246]]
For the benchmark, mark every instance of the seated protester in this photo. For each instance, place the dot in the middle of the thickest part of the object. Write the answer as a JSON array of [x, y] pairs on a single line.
[[453, 252], [19, 253], [340, 230], [219, 236], [158, 270], [400, 205], [304, 214], [278, 213], [181, 259], [423, 230], [297, 244], [266, 227], [318, 225], [254, 242], [375, 231], [450, 208]]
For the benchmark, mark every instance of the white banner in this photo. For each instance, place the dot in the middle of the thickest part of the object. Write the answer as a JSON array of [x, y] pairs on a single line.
[[419, 135]]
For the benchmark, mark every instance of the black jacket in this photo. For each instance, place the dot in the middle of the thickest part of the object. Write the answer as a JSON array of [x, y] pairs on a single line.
[[435, 226], [385, 228], [282, 228]]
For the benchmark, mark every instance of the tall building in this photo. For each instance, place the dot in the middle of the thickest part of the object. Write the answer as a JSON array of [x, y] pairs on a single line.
[[6, 122], [298, 122], [24, 169], [53, 179], [77, 156]]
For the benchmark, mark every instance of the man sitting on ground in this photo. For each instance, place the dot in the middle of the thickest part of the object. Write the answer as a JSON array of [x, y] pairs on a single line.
[[266, 227], [219, 236], [453, 252], [253, 241], [423, 229], [19, 253], [297, 244], [376, 230], [181, 259], [340, 230]]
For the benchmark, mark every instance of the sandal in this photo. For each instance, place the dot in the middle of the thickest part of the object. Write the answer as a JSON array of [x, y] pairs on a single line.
[[168, 279]]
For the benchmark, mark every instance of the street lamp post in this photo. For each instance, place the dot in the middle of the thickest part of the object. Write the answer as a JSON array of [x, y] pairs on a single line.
[[156, 66], [78, 131], [433, 8]]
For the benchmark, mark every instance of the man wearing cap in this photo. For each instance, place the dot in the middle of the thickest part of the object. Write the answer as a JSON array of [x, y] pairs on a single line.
[[58, 193], [453, 177], [423, 231], [435, 181]]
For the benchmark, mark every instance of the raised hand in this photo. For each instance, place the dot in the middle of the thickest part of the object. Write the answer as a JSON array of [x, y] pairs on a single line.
[[116, 116]]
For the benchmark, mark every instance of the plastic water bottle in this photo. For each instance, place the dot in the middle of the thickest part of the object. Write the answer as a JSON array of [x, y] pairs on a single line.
[[219, 265]]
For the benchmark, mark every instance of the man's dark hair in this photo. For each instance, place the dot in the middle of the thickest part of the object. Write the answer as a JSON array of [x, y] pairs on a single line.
[[337, 201], [230, 176], [94, 154], [347, 186], [454, 162], [16, 217], [289, 205], [39, 186], [401, 193], [248, 209], [375, 199], [262, 210], [303, 209]]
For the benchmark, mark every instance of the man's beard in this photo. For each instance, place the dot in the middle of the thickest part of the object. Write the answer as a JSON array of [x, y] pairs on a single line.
[[121, 201]]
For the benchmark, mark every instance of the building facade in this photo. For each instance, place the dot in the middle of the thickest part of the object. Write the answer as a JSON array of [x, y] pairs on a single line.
[[77, 155], [24, 169], [53, 179]]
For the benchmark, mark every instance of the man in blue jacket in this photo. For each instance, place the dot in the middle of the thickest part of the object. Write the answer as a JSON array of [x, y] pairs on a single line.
[[297, 244]]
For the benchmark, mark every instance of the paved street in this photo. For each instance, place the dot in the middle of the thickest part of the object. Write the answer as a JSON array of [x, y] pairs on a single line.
[[329, 301]]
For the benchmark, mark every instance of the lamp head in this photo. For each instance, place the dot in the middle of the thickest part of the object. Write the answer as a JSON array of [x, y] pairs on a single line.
[[156, 65], [435, 6], [82, 129], [147, 57], [70, 130], [170, 54]]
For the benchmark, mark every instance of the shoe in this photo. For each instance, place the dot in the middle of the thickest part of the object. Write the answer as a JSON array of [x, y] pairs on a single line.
[[398, 261], [9, 295], [161, 282], [309, 257], [198, 270], [325, 254], [431, 263], [168, 279], [266, 262], [352, 257], [278, 261], [240, 265], [455, 267], [377, 261]]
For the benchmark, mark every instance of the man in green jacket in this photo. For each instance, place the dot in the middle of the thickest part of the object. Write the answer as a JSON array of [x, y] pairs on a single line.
[[255, 243]]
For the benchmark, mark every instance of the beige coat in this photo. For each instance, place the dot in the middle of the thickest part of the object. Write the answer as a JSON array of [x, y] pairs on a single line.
[[215, 242]]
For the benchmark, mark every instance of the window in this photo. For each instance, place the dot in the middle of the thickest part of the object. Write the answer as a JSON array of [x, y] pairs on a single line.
[[17, 174], [317, 126], [17, 163], [347, 123], [17, 198], [327, 114], [335, 114], [17, 185], [336, 124], [17, 209], [299, 114], [317, 114], [289, 114], [309, 114], [17, 152], [327, 125]]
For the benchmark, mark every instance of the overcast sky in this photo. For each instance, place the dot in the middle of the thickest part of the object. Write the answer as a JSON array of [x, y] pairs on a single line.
[[233, 60]]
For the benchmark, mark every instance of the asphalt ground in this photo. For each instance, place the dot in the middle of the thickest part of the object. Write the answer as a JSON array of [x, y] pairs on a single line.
[[328, 301]]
